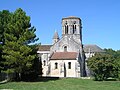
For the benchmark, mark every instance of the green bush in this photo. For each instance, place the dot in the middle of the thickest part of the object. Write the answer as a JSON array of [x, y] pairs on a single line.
[[103, 66]]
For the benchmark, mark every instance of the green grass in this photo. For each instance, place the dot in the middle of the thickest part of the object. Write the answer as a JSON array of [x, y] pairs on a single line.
[[63, 84]]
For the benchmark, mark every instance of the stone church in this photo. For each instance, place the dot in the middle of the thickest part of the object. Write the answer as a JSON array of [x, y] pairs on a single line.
[[67, 56]]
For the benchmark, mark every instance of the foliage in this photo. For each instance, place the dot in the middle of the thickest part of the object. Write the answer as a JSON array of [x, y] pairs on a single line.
[[116, 55], [17, 52], [63, 84], [4, 19], [32, 73], [105, 65]]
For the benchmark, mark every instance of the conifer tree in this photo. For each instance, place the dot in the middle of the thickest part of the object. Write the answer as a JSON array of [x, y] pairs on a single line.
[[17, 37], [4, 19]]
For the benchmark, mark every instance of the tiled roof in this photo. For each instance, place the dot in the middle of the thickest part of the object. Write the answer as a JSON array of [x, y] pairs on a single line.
[[44, 48], [64, 56], [92, 48]]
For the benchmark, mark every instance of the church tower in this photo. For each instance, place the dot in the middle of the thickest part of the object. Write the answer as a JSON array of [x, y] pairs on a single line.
[[72, 27]]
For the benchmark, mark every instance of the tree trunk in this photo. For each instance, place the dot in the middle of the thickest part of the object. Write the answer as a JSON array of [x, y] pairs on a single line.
[[19, 76]]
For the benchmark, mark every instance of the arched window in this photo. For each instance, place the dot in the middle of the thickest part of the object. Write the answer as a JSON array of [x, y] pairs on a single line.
[[75, 27], [69, 65], [66, 29], [44, 62], [65, 48], [56, 65]]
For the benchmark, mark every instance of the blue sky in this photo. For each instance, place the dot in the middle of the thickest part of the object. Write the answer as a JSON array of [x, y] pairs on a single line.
[[100, 18]]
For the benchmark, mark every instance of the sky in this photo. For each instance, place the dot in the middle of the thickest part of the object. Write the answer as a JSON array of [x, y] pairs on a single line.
[[100, 18]]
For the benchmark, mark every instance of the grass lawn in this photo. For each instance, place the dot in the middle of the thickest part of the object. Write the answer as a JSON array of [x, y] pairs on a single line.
[[63, 84]]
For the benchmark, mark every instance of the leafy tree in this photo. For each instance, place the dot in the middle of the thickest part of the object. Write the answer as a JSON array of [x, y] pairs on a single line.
[[17, 37], [103, 66], [111, 52], [116, 55]]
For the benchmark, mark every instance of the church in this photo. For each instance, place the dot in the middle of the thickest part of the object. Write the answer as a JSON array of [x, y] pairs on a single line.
[[67, 56]]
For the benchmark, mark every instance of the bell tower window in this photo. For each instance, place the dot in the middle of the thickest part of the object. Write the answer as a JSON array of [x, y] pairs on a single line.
[[66, 29], [74, 27]]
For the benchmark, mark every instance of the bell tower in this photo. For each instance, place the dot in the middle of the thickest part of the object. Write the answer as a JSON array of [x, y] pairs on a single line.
[[72, 27]]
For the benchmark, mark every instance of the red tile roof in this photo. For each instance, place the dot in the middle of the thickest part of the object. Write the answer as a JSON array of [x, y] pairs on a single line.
[[64, 56]]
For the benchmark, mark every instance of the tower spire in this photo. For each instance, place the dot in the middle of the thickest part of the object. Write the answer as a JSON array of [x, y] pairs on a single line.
[[55, 37]]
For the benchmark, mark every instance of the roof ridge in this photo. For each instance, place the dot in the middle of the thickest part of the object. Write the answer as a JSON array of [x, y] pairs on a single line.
[[92, 48], [89, 45]]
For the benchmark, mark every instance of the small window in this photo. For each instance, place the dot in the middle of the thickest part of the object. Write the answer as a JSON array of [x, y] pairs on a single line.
[[75, 27], [56, 65], [65, 49], [44, 62], [66, 29], [69, 65]]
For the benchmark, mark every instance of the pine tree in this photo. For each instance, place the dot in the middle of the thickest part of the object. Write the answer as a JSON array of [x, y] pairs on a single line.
[[4, 19], [17, 37]]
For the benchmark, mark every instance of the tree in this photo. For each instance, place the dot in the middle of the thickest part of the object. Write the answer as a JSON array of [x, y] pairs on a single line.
[[4, 19], [116, 55], [103, 66], [17, 37], [32, 73]]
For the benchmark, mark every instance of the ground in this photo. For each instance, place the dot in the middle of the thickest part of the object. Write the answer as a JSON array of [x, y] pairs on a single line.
[[63, 84]]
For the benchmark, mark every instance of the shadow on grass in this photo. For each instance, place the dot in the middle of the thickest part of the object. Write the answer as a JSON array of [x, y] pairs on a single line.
[[45, 79], [111, 79], [40, 79]]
